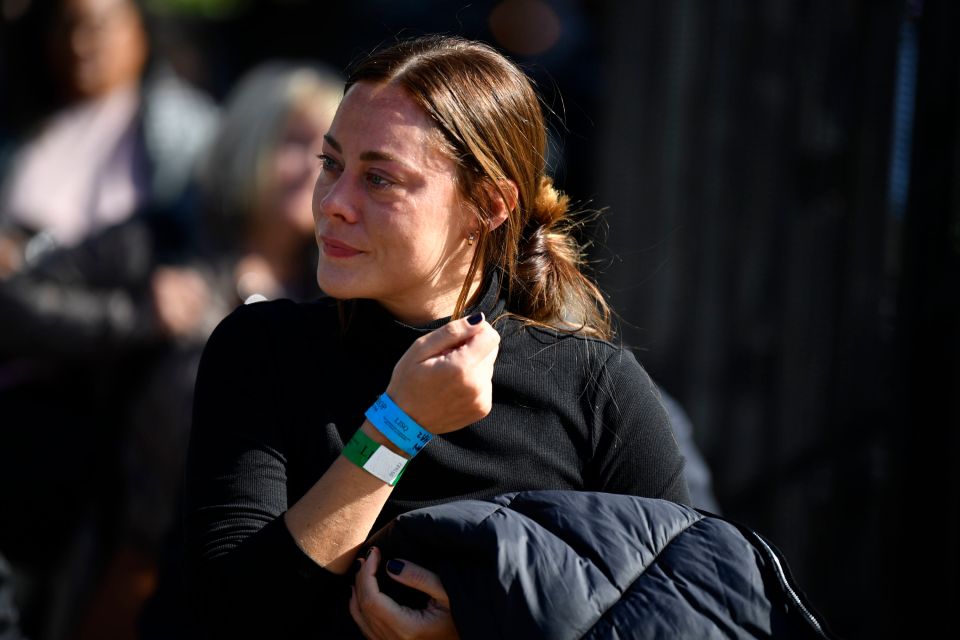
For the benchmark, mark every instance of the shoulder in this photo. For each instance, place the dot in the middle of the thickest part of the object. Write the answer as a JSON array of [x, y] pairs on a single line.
[[273, 321], [599, 371], [539, 341], [587, 353], [269, 340]]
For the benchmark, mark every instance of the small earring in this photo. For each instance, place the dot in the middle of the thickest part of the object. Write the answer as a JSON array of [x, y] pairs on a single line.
[[471, 238]]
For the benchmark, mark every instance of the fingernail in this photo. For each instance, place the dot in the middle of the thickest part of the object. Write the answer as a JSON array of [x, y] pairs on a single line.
[[395, 567], [476, 318], [368, 552]]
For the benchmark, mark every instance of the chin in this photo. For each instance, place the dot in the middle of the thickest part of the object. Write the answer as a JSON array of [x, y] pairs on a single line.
[[337, 286]]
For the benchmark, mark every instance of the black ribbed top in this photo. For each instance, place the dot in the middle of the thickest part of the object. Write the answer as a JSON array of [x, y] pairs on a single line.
[[282, 386]]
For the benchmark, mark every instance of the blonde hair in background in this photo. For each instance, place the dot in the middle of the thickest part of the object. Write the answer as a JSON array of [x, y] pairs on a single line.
[[255, 113]]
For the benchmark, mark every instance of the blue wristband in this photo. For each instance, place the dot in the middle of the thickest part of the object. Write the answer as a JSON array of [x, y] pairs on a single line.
[[397, 426]]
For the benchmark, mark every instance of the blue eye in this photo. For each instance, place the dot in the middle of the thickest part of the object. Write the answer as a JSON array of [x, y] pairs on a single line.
[[327, 163], [378, 181]]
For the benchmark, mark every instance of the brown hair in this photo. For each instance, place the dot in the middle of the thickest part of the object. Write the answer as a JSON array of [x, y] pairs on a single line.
[[492, 126]]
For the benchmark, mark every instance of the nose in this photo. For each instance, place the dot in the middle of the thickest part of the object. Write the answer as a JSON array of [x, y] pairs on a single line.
[[333, 198]]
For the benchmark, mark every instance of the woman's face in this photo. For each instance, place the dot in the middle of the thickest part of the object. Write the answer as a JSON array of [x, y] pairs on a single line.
[[98, 45], [389, 220], [293, 172]]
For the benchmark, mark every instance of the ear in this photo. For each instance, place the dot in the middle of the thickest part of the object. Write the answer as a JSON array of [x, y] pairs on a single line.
[[503, 199]]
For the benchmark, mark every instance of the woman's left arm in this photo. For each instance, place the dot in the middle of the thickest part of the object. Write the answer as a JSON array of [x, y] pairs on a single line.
[[636, 450]]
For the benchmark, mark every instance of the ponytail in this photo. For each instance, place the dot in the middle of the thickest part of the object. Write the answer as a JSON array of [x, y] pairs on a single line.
[[547, 284]]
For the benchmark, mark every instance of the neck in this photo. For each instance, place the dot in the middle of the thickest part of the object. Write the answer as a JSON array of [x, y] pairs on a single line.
[[437, 307]]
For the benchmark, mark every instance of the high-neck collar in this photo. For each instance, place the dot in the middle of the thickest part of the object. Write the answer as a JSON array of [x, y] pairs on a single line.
[[364, 316]]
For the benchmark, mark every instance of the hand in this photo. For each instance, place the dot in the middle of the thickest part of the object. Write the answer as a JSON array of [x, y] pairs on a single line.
[[381, 618], [11, 254], [180, 298], [444, 380]]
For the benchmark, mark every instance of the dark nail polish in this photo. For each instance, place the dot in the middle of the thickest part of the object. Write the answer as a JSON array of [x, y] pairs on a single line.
[[367, 553], [395, 567], [476, 318]]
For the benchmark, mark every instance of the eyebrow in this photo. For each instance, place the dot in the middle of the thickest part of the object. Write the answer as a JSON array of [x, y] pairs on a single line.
[[366, 155], [333, 143], [379, 155]]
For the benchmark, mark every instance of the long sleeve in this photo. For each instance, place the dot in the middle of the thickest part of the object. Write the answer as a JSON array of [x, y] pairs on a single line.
[[637, 452], [247, 576]]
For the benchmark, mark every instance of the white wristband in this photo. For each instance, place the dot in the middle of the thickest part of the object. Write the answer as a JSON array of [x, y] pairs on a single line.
[[375, 459], [386, 465]]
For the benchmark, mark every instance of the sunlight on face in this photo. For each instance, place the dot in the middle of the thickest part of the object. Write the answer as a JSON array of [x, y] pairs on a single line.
[[389, 220]]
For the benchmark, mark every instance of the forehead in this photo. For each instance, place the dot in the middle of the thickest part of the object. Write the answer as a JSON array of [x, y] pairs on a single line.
[[382, 117]]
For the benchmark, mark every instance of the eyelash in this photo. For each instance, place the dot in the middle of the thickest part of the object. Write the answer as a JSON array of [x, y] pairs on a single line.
[[375, 180], [384, 184], [327, 163]]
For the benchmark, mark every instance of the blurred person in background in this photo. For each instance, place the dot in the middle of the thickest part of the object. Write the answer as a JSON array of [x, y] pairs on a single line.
[[9, 613], [101, 132], [260, 174], [120, 133], [257, 182], [695, 469], [256, 242], [134, 303]]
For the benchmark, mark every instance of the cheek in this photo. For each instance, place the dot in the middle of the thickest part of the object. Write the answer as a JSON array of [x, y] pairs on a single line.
[[293, 165], [423, 247], [318, 192], [122, 52]]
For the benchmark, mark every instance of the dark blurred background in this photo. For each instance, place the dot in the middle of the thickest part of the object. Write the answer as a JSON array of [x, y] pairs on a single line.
[[781, 240]]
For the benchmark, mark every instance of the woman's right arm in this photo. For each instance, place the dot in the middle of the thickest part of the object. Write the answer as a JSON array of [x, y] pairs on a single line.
[[244, 554]]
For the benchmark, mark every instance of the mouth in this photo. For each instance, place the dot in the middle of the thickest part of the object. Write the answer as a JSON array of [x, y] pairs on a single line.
[[336, 249]]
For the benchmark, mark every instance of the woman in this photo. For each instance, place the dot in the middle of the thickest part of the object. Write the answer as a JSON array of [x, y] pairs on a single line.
[[432, 204], [260, 173]]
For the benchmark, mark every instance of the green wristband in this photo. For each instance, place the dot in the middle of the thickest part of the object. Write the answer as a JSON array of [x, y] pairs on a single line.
[[375, 459]]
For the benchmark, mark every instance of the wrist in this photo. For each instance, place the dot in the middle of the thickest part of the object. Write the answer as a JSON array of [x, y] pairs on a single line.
[[397, 426], [374, 458], [403, 402], [375, 435]]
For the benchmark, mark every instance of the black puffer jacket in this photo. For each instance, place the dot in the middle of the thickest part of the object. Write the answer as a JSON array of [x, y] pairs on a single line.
[[560, 564]]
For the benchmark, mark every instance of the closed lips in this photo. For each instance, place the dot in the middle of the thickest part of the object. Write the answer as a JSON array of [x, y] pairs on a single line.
[[337, 248]]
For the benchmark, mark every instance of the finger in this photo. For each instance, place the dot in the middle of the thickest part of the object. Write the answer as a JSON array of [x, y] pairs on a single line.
[[449, 336], [368, 589], [419, 578], [471, 351], [379, 611], [357, 615], [366, 579], [487, 363], [483, 345]]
